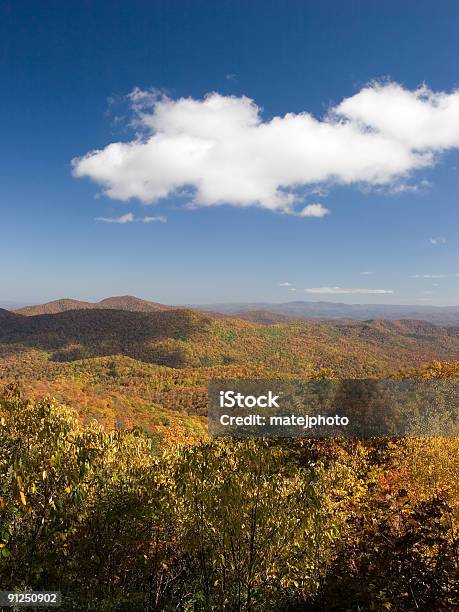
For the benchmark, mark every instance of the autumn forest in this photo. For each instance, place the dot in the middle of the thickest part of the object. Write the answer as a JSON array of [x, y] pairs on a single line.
[[113, 493]]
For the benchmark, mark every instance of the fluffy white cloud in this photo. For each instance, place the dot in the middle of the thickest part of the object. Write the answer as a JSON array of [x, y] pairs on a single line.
[[422, 120], [129, 218], [222, 149], [336, 290]]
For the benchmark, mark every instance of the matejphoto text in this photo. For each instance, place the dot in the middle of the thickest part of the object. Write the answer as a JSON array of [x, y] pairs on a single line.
[[291, 420]]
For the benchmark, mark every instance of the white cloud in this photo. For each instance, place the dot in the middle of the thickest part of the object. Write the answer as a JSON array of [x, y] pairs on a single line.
[[314, 210], [435, 275], [367, 273], [438, 240], [129, 218], [285, 284], [410, 187], [222, 149], [159, 219], [230, 76], [336, 290], [422, 120]]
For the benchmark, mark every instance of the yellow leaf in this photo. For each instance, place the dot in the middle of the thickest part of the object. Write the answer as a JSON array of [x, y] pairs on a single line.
[[22, 498]]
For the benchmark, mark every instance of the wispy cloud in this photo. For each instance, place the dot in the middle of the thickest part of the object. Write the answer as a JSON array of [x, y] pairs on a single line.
[[130, 218], [367, 273], [159, 219], [222, 147], [410, 187], [288, 286], [437, 240], [230, 76], [127, 218], [337, 290], [454, 275]]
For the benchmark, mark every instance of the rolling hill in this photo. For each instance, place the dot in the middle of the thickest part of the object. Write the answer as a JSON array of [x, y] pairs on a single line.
[[185, 338], [151, 369], [123, 302]]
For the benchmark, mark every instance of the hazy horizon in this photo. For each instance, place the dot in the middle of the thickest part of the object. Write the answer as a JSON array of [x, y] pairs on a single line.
[[14, 304]]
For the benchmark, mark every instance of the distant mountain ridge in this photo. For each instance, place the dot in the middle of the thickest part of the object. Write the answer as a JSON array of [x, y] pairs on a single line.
[[122, 302], [440, 315], [265, 313]]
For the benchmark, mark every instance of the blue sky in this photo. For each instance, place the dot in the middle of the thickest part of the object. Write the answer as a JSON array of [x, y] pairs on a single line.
[[67, 70]]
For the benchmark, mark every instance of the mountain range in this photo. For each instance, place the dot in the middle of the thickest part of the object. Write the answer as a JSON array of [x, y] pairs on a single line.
[[442, 315], [129, 361], [262, 312], [184, 338]]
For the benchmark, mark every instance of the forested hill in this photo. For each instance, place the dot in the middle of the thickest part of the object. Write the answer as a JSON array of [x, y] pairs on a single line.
[[186, 338], [123, 302]]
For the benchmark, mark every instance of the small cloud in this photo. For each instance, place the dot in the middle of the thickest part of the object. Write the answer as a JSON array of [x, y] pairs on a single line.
[[435, 275], [366, 273], [292, 288], [338, 290], [285, 284], [159, 219], [230, 76], [129, 218], [438, 240], [313, 210], [427, 292], [410, 188]]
